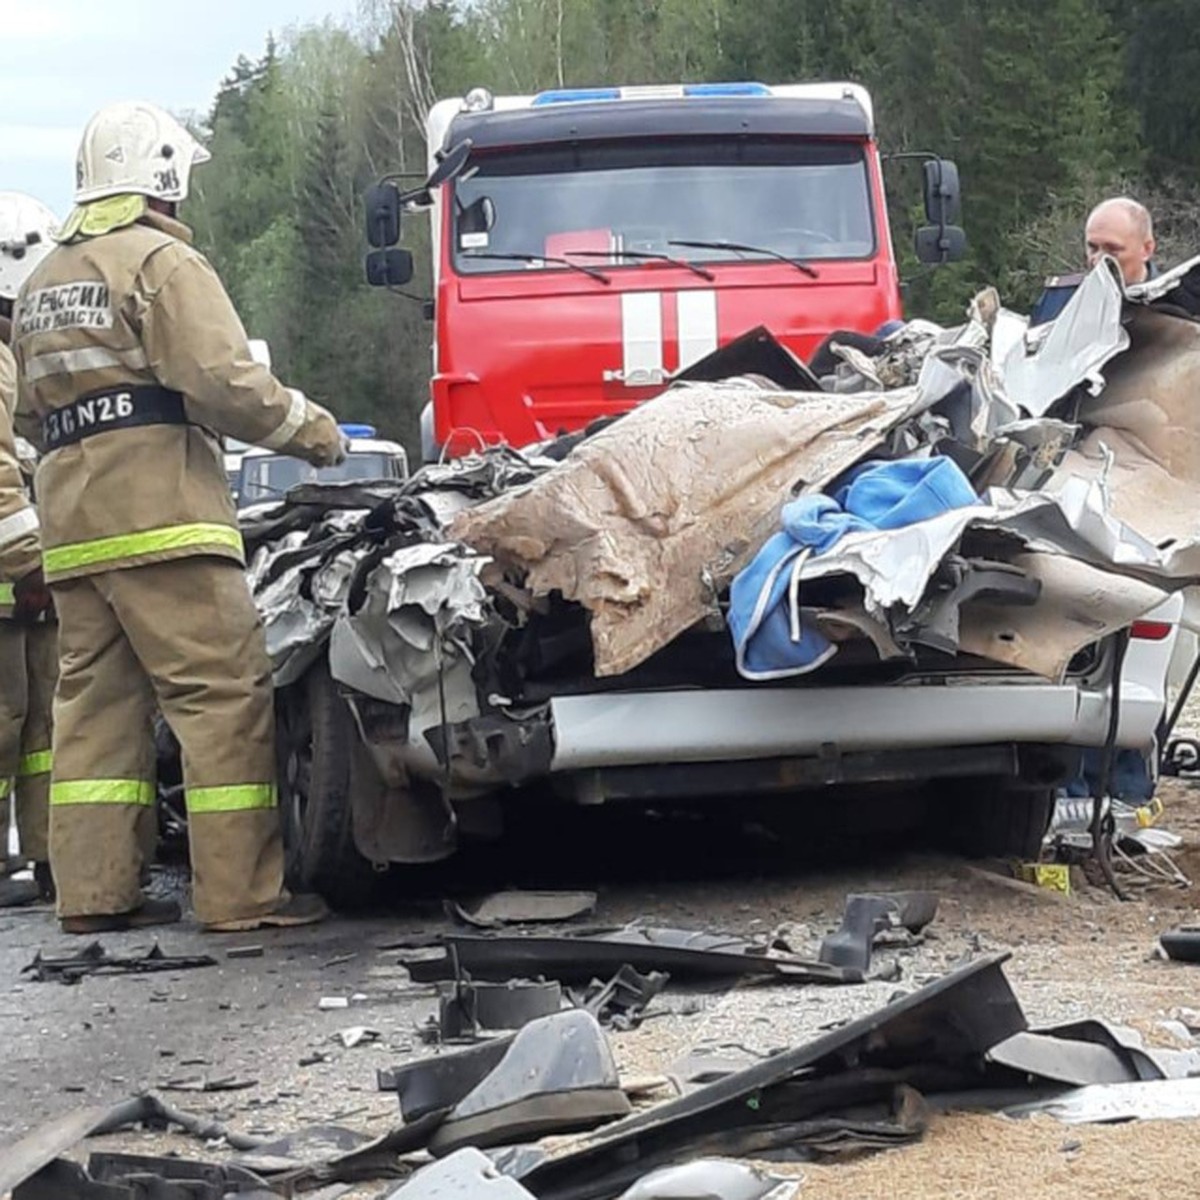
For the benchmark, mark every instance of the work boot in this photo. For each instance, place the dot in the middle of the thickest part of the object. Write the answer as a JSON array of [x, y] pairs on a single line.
[[150, 912], [305, 908], [16, 893], [44, 879]]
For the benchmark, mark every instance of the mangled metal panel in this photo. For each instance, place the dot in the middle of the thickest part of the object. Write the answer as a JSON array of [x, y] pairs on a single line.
[[1072, 349], [413, 629], [1142, 433], [649, 519], [1079, 604]]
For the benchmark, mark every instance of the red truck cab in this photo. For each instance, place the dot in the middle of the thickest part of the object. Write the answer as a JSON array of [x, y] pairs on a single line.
[[595, 242]]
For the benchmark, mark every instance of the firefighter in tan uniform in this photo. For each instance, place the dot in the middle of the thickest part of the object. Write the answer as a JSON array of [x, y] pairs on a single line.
[[28, 636], [132, 358]]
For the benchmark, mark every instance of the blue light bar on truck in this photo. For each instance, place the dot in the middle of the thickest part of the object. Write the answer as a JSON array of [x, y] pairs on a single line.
[[651, 92], [357, 431]]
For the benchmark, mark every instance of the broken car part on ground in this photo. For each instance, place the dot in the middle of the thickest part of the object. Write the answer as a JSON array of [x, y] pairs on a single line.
[[958, 1043]]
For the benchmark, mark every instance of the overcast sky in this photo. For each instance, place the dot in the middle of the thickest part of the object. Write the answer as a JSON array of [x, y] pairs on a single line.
[[60, 60]]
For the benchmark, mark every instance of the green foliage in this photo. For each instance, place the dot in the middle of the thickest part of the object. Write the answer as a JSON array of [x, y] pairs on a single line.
[[1047, 107]]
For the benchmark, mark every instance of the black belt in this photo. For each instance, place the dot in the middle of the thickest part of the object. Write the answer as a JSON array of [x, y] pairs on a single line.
[[112, 408]]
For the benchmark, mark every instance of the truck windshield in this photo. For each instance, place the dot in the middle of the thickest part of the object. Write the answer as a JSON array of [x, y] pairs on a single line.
[[268, 476], [799, 199]]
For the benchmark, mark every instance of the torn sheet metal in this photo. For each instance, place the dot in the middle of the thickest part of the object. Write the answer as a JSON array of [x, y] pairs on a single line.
[[1163, 283], [1155, 1100], [1143, 431], [1079, 551], [520, 908], [1079, 604], [1073, 349], [414, 625], [711, 1179], [467, 1174], [646, 522]]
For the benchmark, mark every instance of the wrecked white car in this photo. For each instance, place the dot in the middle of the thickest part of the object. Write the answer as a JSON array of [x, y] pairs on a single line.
[[938, 565]]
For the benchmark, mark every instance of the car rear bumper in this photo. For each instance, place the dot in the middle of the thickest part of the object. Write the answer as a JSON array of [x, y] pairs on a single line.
[[636, 728]]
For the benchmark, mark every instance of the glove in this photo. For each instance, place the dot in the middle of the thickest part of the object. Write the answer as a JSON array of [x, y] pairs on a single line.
[[31, 597]]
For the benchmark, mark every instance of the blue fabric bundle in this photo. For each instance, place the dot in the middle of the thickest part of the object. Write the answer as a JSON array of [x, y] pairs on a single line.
[[764, 613]]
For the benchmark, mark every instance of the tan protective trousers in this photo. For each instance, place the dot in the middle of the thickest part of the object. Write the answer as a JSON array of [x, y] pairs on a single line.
[[187, 635], [28, 670]]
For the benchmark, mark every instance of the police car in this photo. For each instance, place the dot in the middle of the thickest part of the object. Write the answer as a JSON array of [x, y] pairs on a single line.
[[266, 475]]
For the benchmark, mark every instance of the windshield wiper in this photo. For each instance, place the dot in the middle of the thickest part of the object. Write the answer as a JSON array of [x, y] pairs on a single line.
[[540, 258], [647, 254], [742, 248]]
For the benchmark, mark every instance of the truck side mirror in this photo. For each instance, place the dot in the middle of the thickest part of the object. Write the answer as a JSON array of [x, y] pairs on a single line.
[[389, 268], [382, 203], [940, 243], [943, 196]]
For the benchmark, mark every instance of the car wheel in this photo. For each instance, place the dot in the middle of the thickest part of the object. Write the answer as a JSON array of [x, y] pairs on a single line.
[[994, 818], [315, 733]]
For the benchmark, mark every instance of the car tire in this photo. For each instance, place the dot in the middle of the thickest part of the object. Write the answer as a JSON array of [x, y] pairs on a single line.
[[315, 733], [995, 818]]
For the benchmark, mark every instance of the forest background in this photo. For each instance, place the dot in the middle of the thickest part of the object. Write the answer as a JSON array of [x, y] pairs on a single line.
[[1046, 105]]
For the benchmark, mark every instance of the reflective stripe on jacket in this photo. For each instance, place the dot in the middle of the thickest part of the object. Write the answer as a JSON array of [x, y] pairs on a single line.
[[139, 307]]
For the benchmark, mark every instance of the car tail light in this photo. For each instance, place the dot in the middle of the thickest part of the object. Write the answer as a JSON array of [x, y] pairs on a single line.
[[1151, 631]]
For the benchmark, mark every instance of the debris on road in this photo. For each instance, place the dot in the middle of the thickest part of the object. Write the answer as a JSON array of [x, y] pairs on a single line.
[[463, 1175], [24, 1158], [866, 917], [356, 1035], [466, 1008], [229, 1083], [557, 1075], [524, 908], [1154, 1100], [935, 1037], [711, 1179], [1182, 944], [94, 959], [621, 1002], [244, 952], [683, 954]]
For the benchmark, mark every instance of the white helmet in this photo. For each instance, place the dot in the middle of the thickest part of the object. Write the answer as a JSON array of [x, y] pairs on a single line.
[[26, 237], [135, 148]]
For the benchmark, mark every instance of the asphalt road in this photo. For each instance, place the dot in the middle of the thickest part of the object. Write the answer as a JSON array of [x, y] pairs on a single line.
[[255, 1025]]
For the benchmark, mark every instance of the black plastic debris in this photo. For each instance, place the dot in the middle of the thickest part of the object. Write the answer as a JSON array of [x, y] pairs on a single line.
[[868, 915], [933, 1039], [621, 1002], [1182, 944], [23, 1159], [756, 352], [95, 960], [683, 954], [465, 1007], [437, 1084], [557, 1075]]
